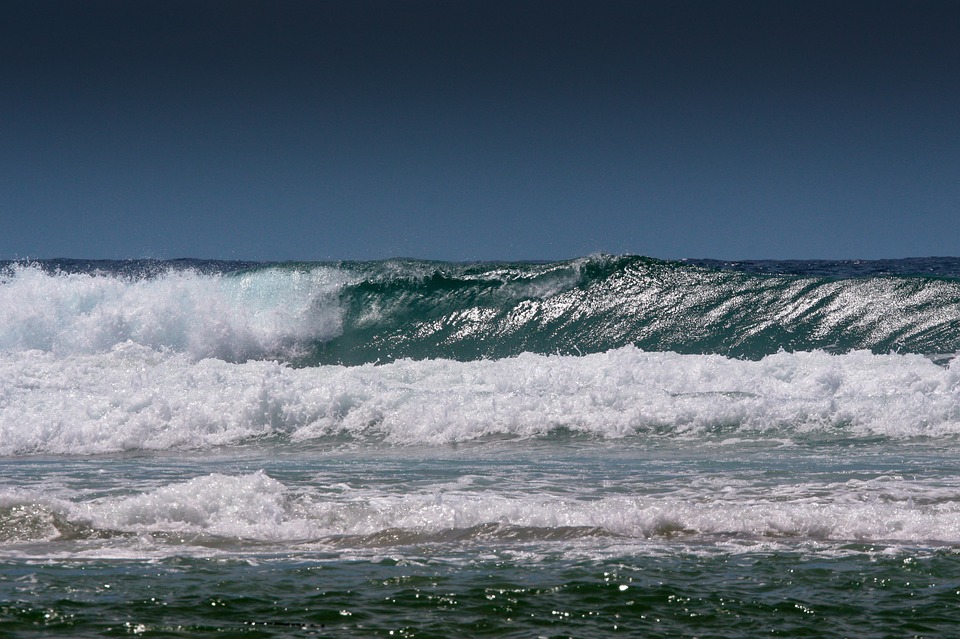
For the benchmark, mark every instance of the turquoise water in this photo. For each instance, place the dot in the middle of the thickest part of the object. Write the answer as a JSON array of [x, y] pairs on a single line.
[[174, 464]]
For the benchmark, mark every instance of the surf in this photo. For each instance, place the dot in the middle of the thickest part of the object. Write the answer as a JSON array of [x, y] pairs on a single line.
[[352, 313], [134, 398]]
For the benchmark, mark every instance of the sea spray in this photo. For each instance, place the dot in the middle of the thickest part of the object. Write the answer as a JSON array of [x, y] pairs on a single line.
[[244, 316]]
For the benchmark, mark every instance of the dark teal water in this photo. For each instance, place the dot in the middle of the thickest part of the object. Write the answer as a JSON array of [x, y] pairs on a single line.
[[866, 592]]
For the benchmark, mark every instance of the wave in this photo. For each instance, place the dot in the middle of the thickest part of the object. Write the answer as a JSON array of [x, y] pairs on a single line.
[[269, 313], [134, 398], [597, 304], [362, 312], [222, 511]]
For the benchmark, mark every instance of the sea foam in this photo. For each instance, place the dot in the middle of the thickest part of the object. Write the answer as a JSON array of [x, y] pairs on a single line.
[[133, 397], [256, 506]]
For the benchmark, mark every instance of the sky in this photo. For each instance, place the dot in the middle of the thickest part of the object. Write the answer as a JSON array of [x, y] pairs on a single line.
[[479, 129]]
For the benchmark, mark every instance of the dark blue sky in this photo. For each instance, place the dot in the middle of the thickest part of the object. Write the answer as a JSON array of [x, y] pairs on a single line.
[[485, 129]]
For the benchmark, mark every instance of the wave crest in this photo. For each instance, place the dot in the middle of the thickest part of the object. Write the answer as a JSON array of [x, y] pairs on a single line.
[[363, 312], [253, 315]]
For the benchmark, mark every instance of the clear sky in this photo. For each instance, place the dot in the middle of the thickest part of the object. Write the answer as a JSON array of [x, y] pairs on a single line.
[[479, 129]]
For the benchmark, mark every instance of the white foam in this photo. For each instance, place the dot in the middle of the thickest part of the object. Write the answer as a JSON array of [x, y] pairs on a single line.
[[134, 397], [258, 507], [250, 506], [235, 317]]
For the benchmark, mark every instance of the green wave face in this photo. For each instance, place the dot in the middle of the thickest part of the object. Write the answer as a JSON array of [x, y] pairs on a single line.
[[423, 310], [363, 312]]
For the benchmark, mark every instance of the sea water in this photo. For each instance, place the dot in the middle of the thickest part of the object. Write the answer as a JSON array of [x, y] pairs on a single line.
[[407, 448]]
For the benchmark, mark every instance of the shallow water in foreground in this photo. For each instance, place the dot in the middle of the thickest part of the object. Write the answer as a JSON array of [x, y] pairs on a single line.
[[866, 593], [558, 537]]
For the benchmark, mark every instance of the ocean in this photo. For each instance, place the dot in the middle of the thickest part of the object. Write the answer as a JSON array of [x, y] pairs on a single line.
[[405, 448]]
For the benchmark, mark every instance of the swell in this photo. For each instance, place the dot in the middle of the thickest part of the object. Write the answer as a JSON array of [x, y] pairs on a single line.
[[597, 304]]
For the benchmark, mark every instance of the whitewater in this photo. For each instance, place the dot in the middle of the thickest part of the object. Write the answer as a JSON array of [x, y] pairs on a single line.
[[405, 447]]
